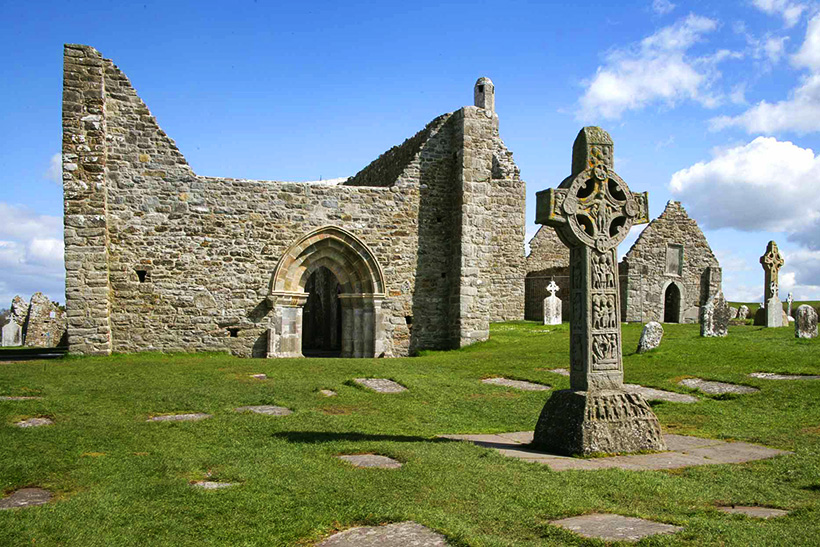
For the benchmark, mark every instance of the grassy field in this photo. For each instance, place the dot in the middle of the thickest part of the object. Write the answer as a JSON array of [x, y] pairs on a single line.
[[121, 481]]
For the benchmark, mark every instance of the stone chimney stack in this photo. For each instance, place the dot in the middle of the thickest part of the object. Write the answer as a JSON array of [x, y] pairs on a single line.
[[484, 94]]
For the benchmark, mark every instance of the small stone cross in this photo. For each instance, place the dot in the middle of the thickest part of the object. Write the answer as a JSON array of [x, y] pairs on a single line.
[[552, 287], [771, 261], [592, 211], [789, 300]]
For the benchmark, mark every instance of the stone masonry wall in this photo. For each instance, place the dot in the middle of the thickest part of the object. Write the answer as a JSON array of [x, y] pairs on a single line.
[[643, 272], [548, 259], [190, 258]]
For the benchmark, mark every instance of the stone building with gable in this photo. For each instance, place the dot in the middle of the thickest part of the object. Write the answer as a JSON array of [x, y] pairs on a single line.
[[423, 248], [666, 276]]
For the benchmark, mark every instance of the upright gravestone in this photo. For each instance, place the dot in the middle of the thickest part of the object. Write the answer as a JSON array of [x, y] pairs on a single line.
[[592, 211], [715, 316], [772, 261], [805, 322], [789, 300], [552, 306], [12, 334], [743, 312]]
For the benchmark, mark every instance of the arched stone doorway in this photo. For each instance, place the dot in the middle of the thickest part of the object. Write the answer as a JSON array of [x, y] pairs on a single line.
[[333, 257], [322, 315], [671, 303]]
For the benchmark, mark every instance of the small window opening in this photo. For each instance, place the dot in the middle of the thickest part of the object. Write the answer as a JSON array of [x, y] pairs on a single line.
[[233, 332], [408, 319], [142, 275], [443, 275], [481, 89]]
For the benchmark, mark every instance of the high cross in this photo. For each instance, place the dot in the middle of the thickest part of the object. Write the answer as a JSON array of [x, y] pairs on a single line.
[[771, 261], [592, 211]]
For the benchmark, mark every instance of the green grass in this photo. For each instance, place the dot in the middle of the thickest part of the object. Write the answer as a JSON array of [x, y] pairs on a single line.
[[122, 481]]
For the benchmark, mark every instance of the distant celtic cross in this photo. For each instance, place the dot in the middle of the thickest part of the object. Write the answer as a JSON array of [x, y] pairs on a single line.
[[552, 288], [592, 211], [771, 261]]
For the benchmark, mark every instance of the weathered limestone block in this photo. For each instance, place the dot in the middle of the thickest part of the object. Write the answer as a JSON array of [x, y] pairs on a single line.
[[651, 336], [743, 312], [805, 322], [733, 311], [46, 323], [714, 317], [12, 334], [19, 310]]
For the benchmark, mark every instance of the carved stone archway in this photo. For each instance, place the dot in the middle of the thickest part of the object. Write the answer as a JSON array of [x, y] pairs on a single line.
[[360, 277], [680, 302]]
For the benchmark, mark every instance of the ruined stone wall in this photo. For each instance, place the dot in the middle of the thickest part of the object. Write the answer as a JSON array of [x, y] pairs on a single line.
[[190, 258], [643, 271], [548, 259], [45, 323]]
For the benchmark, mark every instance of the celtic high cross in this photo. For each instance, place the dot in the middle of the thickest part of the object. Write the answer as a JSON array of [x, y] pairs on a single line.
[[592, 211], [772, 261]]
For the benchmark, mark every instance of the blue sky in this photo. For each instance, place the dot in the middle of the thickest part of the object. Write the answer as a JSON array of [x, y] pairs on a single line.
[[715, 104]]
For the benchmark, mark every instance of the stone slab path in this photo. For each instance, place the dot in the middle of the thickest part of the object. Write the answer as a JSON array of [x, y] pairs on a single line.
[[212, 485], [13, 398], [683, 452], [370, 460], [26, 497], [773, 376], [34, 422], [381, 385], [614, 527], [716, 388], [754, 512], [266, 409], [517, 384], [193, 417], [401, 534], [652, 394]]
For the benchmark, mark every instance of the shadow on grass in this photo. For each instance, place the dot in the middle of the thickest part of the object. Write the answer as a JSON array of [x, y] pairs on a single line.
[[313, 437]]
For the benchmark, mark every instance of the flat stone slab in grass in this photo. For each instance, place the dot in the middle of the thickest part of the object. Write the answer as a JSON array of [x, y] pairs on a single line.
[[266, 409], [561, 371], [212, 485], [328, 392], [34, 422], [13, 398], [401, 534], [773, 376], [652, 394], [756, 512], [192, 417], [370, 460], [716, 388], [683, 452], [614, 527], [517, 384], [26, 497], [259, 376], [381, 385]]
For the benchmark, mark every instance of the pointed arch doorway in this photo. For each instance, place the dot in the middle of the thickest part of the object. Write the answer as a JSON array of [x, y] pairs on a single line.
[[347, 285]]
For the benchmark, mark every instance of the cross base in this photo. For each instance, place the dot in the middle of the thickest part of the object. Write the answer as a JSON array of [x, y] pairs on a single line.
[[774, 313], [589, 422]]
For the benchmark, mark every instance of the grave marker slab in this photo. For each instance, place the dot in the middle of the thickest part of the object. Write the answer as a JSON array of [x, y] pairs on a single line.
[[652, 394], [17, 398], [592, 211], [774, 376], [380, 385], [34, 422], [754, 512], [12, 334], [552, 306], [328, 392], [25, 497], [370, 460], [517, 384], [716, 388], [266, 409], [610, 527], [651, 337], [401, 534], [212, 485], [714, 317], [743, 312], [191, 417], [805, 322]]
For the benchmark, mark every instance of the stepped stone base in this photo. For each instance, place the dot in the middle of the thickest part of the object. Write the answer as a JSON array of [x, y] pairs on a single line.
[[587, 422]]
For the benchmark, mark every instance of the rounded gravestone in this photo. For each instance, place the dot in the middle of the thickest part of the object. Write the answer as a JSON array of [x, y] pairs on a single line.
[[805, 322], [733, 311], [743, 312], [714, 317], [650, 337]]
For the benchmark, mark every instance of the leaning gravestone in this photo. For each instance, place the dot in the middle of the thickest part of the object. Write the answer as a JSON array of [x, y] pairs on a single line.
[[733, 312], [651, 336], [743, 312], [772, 261], [714, 317], [592, 211], [552, 306], [805, 322], [12, 335]]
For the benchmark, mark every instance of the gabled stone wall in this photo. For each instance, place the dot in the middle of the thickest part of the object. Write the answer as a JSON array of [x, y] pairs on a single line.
[[160, 258]]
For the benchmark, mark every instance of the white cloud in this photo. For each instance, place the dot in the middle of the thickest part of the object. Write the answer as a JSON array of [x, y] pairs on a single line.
[[657, 70], [800, 274], [789, 11], [55, 169], [662, 7], [801, 111], [31, 254], [738, 94], [764, 185], [775, 47]]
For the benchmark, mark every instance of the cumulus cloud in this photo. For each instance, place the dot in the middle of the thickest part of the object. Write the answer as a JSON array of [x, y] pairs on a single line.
[[801, 111], [800, 274], [55, 169], [31, 254], [656, 70], [789, 11], [662, 7]]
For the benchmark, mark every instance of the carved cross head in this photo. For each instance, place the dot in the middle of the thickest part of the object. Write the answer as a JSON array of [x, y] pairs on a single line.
[[772, 260], [552, 288], [592, 207]]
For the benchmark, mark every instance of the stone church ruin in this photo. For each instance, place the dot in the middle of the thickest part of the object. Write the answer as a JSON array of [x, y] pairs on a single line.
[[667, 276], [422, 248]]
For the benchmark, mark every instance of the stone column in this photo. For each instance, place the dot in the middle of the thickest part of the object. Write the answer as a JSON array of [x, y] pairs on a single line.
[[285, 334], [772, 261], [592, 211]]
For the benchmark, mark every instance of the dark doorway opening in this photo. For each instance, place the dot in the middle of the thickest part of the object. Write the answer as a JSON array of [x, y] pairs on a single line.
[[322, 316], [671, 304]]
